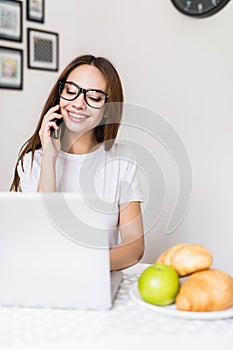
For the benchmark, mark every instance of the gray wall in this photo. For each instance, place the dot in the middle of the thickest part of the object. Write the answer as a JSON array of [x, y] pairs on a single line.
[[173, 65]]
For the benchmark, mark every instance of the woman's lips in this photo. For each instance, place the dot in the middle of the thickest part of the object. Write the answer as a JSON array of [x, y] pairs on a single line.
[[76, 117]]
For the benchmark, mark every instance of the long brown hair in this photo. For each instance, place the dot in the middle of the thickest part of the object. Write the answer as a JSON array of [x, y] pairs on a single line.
[[106, 132]]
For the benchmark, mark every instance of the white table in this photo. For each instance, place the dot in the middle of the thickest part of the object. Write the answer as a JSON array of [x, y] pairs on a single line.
[[128, 325]]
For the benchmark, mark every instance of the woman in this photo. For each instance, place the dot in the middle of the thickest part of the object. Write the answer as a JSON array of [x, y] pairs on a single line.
[[87, 100]]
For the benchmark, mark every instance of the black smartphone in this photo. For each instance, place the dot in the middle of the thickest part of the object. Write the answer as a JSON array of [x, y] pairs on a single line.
[[55, 133]]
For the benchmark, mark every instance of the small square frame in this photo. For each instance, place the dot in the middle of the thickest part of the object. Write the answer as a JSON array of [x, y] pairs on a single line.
[[43, 50], [11, 20], [11, 68], [36, 10]]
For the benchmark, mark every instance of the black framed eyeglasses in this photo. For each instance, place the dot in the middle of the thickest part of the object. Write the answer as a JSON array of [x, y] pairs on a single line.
[[94, 98]]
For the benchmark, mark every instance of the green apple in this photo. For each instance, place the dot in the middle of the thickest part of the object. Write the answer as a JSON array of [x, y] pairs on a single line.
[[159, 284]]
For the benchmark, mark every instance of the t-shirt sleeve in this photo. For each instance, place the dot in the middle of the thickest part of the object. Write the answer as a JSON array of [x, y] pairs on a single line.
[[130, 189], [29, 175]]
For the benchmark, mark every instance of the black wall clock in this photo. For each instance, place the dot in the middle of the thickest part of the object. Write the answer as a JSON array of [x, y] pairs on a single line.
[[199, 8]]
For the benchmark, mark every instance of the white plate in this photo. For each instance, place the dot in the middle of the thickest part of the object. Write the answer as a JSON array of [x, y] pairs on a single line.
[[172, 310]]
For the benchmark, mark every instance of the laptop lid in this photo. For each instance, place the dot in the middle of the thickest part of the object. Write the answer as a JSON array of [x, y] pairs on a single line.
[[54, 252]]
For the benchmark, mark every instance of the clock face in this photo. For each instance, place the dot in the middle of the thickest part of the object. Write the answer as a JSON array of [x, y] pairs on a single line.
[[199, 8]]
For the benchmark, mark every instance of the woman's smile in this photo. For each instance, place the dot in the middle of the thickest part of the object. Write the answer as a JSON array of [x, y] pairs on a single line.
[[77, 117]]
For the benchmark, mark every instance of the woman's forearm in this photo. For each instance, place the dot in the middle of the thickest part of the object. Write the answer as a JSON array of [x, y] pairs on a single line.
[[50, 148], [47, 180], [126, 254]]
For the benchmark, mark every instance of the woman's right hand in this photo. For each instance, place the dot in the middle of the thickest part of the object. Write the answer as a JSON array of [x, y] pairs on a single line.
[[50, 146]]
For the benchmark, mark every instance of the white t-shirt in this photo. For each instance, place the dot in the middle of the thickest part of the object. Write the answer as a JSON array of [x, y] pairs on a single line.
[[112, 175]]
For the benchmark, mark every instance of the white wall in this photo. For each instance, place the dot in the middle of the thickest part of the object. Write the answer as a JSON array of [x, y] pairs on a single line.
[[177, 66]]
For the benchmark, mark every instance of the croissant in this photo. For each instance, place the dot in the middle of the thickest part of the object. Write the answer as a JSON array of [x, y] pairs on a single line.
[[209, 290], [186, 258]]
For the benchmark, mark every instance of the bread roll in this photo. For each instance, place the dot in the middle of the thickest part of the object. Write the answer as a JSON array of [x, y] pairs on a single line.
[[209, 290], [186, 258]]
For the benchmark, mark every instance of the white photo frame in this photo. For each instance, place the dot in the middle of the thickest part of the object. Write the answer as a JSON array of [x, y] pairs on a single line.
[[11, 68], [11, 20], [43, 49], [36, 10]]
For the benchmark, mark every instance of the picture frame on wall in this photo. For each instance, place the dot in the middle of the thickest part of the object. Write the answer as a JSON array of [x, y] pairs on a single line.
[[11, 20], [36, 10], [11, 68], [43, 49]]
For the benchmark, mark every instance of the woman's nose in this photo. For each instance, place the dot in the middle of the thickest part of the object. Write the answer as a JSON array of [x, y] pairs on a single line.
[[79, 102]]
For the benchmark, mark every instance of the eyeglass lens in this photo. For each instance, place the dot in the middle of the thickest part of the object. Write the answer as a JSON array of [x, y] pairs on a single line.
[[93, 98]]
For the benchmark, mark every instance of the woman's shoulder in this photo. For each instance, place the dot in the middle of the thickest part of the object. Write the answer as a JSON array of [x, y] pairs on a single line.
[[37, 156], [122, 149], [26, 161]]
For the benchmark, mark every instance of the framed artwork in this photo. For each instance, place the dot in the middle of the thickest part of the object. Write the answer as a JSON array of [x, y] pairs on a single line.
[[36, 10], [43, 49], [11, 68], [11, 20]]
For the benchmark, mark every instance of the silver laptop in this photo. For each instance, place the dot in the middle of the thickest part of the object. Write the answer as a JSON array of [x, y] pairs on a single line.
[[54, 252]]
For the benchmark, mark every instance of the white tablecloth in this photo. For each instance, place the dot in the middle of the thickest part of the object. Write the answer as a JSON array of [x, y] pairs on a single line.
[[127, 325]]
